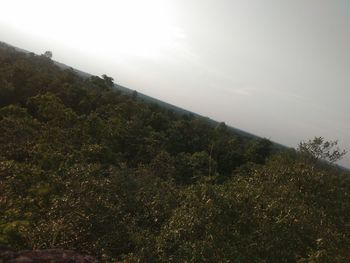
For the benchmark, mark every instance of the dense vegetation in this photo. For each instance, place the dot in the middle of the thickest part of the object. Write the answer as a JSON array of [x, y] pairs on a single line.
[[85, 167]]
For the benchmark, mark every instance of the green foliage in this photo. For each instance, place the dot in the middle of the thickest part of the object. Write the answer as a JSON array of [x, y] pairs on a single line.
[[319, 148], [259, 150], [84, 166]]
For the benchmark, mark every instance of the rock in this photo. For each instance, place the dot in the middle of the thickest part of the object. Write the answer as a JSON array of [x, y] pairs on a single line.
[[43, 256]]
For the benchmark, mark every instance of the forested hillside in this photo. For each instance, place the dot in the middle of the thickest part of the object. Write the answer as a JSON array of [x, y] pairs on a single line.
[[86, 167]]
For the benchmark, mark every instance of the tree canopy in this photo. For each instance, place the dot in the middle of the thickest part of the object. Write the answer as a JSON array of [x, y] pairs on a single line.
[[87, 167]]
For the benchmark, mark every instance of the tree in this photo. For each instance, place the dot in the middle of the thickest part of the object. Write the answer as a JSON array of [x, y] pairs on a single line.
[[134, 95], [108, 80], [319, 148], [48, 54], [258, 150]]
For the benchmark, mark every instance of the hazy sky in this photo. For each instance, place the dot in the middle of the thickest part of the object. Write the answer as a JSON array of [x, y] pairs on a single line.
[[276, 68]]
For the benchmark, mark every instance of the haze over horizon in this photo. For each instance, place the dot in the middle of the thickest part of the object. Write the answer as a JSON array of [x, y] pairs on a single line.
[[277, 69]]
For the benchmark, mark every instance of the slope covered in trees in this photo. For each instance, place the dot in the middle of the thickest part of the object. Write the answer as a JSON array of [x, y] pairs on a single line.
[[86, 167]]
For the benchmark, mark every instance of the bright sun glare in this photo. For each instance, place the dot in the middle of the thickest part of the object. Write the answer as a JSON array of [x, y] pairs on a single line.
[[121, 28]]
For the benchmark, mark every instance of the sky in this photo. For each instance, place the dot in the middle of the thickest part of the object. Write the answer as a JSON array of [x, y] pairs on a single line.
[[279, 69]]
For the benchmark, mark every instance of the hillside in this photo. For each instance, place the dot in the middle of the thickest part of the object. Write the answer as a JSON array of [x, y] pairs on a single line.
[[86, 165], [148, 99]]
